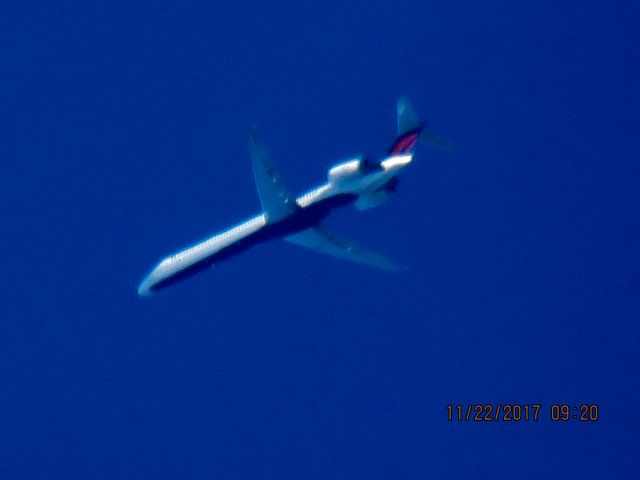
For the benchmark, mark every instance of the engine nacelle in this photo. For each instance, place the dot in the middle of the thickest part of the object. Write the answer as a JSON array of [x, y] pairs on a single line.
[[345, 171], [377, 197]]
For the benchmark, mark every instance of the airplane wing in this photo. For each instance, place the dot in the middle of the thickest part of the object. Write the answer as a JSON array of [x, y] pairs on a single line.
[[322, 240], [276, 201]]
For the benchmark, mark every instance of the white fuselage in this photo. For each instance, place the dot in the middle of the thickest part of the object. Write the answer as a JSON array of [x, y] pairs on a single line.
[[346, 181]]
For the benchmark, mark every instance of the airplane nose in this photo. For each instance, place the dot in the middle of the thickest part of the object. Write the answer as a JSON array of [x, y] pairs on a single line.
[[144, 289]]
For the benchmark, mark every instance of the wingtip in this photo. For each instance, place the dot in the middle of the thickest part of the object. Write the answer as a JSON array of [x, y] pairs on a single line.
[[396, 267]]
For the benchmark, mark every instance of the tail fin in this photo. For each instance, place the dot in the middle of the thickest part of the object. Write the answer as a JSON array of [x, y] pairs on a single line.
[[407, 118], [411, 129]]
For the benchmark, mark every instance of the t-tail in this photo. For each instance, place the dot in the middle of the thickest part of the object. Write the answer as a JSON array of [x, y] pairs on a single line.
[[411, 130]]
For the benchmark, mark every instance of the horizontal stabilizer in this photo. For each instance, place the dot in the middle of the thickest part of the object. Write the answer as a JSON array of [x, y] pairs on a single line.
[[428, 137], [276, 201], [324, 241]]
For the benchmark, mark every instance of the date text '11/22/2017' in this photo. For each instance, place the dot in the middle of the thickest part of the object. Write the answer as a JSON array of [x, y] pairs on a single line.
[[489, 412]]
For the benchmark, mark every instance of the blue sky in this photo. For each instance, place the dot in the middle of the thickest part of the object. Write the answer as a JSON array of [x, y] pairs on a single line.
[[124, 138]]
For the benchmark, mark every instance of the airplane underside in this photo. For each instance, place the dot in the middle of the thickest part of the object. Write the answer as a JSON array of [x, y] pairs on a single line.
[[302, 220], [361, 182]]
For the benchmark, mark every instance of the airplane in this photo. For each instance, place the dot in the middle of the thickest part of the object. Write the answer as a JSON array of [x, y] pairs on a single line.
[[360, 181]]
